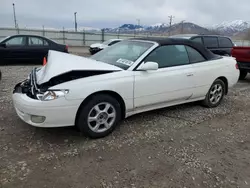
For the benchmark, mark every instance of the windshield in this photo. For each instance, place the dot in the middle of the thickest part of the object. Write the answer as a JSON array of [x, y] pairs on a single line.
[[123, 54]]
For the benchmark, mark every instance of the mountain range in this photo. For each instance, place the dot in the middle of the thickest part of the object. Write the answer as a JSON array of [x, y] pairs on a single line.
[[237, 28], [232, 28]]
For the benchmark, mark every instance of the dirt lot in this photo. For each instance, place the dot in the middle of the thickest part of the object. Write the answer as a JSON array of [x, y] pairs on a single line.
[[186, 146]]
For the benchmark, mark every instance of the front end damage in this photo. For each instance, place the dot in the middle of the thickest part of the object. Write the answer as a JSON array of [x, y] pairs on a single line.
[[42, 91], [29, 86]]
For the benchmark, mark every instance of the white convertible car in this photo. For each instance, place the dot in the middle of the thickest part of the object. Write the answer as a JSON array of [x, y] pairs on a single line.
[[130, 77]]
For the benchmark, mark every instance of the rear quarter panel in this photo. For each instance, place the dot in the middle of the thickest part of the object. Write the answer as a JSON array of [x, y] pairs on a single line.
[[207, 72]]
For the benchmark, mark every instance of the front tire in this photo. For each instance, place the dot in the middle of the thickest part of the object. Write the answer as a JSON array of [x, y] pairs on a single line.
[[215, 94], [99, 117]]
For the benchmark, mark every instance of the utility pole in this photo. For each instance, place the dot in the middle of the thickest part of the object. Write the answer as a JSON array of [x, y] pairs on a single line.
[[170, 24], [138, 21], [14, 12], [182, 26], [43, 31], [75, 22]]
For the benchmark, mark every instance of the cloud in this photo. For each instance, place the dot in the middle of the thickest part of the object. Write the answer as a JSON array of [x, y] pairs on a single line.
[[110, 13]]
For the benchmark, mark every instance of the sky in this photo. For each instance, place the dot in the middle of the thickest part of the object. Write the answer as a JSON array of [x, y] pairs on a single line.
[[113, 13]]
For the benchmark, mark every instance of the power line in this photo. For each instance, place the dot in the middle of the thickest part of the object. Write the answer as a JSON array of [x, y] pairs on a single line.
[[170, 24]]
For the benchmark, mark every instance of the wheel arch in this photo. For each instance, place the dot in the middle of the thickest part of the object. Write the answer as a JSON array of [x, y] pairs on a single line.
[[224, 79], [108, 92]]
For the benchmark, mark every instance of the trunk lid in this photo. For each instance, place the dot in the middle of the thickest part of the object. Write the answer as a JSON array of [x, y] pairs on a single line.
[[59, 63]]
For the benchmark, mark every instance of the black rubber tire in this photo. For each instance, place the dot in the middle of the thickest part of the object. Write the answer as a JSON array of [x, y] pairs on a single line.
[[81, 121], [243, 75], [206, 102]]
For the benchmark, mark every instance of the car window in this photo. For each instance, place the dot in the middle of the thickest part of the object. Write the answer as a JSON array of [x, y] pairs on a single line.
[[168, 56], [194, 55], [35, 41], [16, 41], [113, 42], [210, 42], [123, 54], [225, 42], [197, 39]]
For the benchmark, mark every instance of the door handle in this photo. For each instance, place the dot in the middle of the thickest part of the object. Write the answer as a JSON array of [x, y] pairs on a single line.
[[190, 74]]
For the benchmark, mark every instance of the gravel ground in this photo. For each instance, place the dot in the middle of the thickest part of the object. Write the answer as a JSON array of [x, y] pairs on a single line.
[[186, 146]]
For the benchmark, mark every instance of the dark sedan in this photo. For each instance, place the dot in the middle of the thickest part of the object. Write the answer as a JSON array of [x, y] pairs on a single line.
[[27, 49]]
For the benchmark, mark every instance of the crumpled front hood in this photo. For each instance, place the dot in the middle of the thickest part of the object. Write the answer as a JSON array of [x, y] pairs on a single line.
[[59, 63]]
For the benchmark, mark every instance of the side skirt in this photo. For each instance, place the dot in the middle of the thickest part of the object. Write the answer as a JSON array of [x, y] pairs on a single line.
[[160, 106]]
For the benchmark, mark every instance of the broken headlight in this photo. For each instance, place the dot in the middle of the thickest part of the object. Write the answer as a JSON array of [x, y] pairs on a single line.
[[52, 95]]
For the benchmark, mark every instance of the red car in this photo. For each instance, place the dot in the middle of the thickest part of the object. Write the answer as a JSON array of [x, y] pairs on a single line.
[[242, 55]]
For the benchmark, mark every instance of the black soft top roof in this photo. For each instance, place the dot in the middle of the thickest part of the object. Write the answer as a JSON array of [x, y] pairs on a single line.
[[180, 41]]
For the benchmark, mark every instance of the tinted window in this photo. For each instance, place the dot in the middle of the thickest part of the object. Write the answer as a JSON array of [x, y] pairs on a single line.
[[16, 41], [194, 55], [35, 41], [211, 42], [225, 42], [197, 39], [168, 56]]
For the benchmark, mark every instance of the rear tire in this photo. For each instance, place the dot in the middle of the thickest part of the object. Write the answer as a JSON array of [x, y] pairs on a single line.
[[215, 94], [99, 117], [243, 75]]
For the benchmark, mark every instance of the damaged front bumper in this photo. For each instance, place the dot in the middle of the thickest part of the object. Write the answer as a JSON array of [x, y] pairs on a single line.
[[29, 86], [34, 111]]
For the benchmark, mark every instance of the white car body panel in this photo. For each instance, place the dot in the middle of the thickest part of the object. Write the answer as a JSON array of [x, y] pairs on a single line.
[[58, 113], [101, 45], [121, 82], [140, 90], [173, 83], [205, 73], [95, 45]]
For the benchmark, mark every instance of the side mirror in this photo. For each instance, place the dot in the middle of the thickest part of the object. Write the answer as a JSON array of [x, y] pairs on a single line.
[[149, 66], [3, 45]]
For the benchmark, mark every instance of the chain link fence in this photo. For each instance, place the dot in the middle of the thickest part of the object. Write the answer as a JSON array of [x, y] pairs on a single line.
[[71, 38], [84, 38]]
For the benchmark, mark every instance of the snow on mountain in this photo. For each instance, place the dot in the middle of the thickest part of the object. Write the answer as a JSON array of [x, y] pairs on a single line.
[[231, 27], [158, 25]]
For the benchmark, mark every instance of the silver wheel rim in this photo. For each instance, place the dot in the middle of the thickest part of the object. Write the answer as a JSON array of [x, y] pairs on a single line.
[[101, 117], [215, 94]]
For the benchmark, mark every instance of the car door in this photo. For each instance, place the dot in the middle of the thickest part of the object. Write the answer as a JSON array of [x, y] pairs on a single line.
[[3, 53], [38, 48], [202, 72], [172, 82], [16, 50]]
